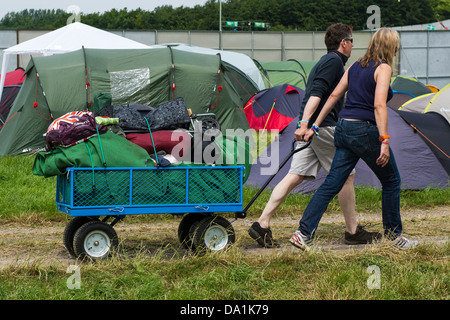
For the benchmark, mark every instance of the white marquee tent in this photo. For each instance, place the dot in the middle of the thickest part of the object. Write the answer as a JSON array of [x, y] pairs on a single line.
[[71, 37]]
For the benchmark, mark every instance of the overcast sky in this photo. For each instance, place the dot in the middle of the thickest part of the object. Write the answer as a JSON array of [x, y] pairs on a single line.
[[89, 6]]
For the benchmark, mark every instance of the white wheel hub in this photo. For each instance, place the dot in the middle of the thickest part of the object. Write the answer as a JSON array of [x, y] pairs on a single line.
[[97, 244], [216, 238]]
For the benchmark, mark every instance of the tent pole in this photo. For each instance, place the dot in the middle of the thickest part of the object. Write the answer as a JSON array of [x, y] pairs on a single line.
[[172, 84], [220, 25], [216, 86], [42, 88], [88, 104], [3, 76]]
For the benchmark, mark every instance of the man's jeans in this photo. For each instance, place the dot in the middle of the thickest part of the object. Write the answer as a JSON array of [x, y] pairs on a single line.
[[355, 140]]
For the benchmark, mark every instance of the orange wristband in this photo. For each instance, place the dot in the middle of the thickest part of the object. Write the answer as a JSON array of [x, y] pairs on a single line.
[[381, 138]]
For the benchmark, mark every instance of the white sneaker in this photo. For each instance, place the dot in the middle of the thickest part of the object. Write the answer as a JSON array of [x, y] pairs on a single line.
[[301, 241], [403, 243]]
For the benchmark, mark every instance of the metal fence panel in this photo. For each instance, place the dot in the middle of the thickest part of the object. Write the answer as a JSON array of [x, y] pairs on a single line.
[[425, 55], [8, 38], [205, 39]]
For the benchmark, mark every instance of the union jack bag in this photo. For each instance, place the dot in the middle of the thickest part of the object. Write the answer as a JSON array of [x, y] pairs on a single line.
[[71, 128]]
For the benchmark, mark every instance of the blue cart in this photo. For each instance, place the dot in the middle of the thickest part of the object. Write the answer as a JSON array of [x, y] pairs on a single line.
[[94, 196], [98, 198]]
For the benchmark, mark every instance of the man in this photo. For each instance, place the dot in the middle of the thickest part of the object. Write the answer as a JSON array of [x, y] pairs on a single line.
[[305, 164]]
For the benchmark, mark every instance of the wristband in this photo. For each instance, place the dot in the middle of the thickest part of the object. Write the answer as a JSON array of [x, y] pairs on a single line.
[[381, 138], [385, 142], [315, 129], [299, 123]]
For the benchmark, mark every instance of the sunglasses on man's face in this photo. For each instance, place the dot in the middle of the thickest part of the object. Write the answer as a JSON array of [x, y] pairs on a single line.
[[349, 39]]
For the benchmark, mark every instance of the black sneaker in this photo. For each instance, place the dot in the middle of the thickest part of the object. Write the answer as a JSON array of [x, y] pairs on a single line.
[[262, 235], [362, 236]]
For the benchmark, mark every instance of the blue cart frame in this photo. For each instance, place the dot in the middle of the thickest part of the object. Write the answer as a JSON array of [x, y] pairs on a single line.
[[197, 192], [131, 202]]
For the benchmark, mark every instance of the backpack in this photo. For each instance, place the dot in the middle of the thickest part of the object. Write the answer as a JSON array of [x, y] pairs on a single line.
[[71, 128]]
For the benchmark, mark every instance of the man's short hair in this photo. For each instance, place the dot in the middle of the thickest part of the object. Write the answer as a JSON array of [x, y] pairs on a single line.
[[334, 35]]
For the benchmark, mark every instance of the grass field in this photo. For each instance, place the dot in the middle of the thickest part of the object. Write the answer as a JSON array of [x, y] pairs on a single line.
[[152, 266]]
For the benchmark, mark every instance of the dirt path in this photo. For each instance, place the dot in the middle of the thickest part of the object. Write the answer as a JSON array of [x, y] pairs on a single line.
[[41, 244]]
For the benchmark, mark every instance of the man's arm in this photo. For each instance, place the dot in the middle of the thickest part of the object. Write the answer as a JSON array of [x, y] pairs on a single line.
[[310, 108], [337, 94], [323, 81]]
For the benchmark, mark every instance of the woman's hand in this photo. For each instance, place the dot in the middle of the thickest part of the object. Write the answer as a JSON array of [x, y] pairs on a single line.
[[308, 135], [383, 159]]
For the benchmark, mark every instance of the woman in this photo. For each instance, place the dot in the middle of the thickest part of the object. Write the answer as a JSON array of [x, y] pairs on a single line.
[[361, 133]]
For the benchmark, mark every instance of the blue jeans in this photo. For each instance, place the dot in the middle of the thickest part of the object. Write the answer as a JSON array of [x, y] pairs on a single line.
[[356, 140]]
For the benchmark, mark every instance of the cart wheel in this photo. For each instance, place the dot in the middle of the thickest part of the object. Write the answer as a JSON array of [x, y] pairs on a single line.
[[70, 230], [187, 227], [210, 123], [213, 233], [95, 240]]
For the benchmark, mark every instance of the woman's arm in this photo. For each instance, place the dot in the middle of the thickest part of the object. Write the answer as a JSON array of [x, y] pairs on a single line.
[[383, 79]]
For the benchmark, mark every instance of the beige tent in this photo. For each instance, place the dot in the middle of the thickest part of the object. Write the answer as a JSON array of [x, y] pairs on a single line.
[[438, 102]]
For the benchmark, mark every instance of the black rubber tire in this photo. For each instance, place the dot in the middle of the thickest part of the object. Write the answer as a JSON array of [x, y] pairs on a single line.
[[187, 227], [88, 234], [70, 230], [213, 233]]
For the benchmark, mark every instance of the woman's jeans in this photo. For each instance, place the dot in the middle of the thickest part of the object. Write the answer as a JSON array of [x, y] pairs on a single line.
[[355, 140]]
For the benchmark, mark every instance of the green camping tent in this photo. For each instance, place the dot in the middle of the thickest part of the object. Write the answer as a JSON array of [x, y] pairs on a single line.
[[291, 72], [67, 82]]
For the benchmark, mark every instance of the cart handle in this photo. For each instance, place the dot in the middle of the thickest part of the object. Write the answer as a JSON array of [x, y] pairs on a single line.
[[293, 150]]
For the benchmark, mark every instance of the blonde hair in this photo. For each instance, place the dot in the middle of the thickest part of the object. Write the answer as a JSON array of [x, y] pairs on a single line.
[[382, 47]]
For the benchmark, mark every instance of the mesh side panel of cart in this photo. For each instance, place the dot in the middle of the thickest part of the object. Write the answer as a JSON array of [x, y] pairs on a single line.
[[62, 185], [148, 187], [159, 187], [101, 188], [214, 186]]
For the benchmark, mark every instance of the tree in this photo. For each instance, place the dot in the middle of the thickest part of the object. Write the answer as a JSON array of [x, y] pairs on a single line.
[[441, 9], [279, 14]]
